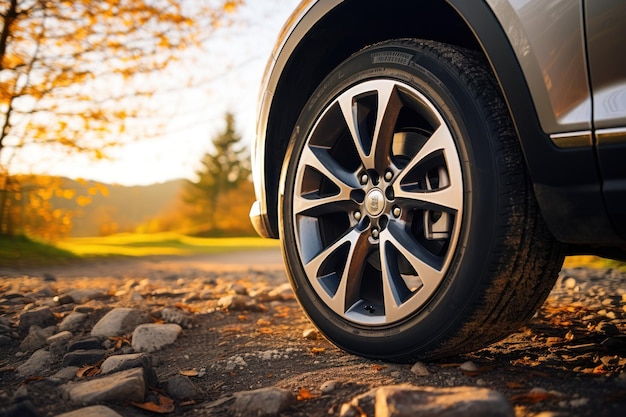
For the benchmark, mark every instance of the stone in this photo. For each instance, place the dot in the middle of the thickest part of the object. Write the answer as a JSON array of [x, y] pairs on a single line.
[[4, 340], [468, 366], [570, 283], [311, 334], [118, 387], [83, 357], [36, 364], [420, 369], [329, 386], [48, 277], [68, 373], [92, 411], [119, 321], [263, 402], [180, 387], [122, 362], [83, 295], [73, 321], [409, 401], [63, 336], [41, 316], [36, 338], [608, 329], [85, 343], [234, 302], [153, 337], [172, 315]]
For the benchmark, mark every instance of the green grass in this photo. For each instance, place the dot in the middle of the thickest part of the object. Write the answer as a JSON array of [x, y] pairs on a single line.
[[136, 244], [18, 251]]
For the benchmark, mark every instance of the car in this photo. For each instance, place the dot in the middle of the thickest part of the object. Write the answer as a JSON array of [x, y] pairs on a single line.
[[427, 165]]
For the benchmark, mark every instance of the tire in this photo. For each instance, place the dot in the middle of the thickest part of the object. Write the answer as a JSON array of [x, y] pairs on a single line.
[[408, 222]]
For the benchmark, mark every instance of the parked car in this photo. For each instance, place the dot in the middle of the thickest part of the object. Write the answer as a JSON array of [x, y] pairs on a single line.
[[428, 164]]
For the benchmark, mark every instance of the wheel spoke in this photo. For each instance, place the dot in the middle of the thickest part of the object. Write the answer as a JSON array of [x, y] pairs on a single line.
[[448, 198], [350, 278], [373, 147]]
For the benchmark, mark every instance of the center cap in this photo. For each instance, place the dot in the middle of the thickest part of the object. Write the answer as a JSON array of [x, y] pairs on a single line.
[[375, 202]]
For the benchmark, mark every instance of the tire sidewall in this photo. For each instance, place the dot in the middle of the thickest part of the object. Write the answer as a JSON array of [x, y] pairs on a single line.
[[466, 278]]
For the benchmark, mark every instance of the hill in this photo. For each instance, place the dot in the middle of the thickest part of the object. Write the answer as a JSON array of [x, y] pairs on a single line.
[[116, 208]]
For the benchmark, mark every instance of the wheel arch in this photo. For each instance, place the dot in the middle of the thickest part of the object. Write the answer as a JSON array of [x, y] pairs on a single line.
[[321, 35]]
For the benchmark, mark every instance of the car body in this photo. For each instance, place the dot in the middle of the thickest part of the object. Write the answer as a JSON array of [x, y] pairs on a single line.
[[555, 66]]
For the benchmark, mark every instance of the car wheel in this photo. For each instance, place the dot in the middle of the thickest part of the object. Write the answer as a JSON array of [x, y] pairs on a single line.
[[408, 223]]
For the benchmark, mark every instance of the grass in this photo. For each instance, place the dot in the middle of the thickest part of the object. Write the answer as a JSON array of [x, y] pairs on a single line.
[[136, 244], [23, 251]]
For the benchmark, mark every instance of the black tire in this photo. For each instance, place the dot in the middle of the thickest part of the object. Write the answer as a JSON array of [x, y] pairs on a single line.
[[427, 242]]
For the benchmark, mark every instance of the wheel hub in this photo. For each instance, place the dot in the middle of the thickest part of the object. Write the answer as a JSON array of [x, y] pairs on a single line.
[[375, 202]]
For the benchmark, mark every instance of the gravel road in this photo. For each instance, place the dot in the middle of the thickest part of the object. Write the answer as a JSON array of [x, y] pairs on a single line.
[[221, 335]]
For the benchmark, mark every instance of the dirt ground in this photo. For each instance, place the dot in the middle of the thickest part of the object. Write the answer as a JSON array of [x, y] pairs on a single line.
[[570, 360]]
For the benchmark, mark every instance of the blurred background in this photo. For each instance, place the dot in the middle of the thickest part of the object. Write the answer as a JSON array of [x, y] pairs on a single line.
[[129, 122]]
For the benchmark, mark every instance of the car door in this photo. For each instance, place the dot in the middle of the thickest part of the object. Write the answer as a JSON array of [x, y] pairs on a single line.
[[606, 43]]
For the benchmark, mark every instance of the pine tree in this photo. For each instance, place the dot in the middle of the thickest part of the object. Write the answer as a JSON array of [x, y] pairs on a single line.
[[222, 170]]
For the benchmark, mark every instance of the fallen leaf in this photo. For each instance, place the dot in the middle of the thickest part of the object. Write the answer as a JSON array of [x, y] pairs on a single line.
[[187, 307], [378, 368], [242, 317], [263, 322], [317, 350], [514, 385], [165, 405], [304, 394], [265, 330], [532, 397], [189, 372], [87, 371]]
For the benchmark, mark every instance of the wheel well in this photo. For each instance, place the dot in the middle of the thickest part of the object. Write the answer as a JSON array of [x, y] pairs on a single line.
[[348, 28]]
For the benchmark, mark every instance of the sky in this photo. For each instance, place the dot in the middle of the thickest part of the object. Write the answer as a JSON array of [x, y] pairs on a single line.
[[233, 66]]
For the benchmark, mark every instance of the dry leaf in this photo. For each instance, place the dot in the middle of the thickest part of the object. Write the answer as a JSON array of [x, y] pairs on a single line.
[[189, 372], [317, 350], [378, 368], [165, 405], [265, 330], [532, 397], [242, 317], [304, 394], [87, 371], [187, 307], [263, 322], [514, 385]]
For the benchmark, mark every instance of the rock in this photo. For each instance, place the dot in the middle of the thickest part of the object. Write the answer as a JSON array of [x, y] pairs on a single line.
[[420, 369], [152, 337], [409, 401], [468, 366], [41, 316], [85, 343], [4, 340], [82, 295], [118, 322], [311, 334], [329, 386], [118, 387], [122, 362], [72, 321], [93, 411], [68, 373], [63, 336], [172, 315], [63, 299], [83, 357], [234, 302], [262, 402], [181, 388], [36, 364], [570, 283], [48, 277], [21, 409], [36, 338]]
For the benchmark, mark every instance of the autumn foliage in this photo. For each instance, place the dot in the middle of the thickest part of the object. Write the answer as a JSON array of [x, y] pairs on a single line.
[[80, 75]]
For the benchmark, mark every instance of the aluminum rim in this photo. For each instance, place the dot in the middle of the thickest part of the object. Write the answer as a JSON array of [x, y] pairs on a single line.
[[377, 202]]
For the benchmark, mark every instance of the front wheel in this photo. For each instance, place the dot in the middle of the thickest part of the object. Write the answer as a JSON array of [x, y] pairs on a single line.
[[408, 223]]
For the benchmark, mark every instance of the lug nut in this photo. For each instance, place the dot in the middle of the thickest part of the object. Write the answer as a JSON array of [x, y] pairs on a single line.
[[357, 215], [397, 211], [388, 176], [375, 233]]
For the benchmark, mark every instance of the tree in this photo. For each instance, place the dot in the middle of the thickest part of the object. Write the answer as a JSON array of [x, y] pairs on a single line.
[[223, 170], [76, 74]]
